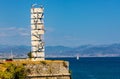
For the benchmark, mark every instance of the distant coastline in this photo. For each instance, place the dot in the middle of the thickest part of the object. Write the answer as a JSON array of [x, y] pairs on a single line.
[[112, 50]]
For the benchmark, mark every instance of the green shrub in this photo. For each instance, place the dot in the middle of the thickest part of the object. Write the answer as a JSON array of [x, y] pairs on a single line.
[[13, 71], [44, 62], [65, 64], [30, 54]]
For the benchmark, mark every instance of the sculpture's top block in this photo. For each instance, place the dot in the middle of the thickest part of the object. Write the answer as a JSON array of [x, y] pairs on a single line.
[[37, 6]]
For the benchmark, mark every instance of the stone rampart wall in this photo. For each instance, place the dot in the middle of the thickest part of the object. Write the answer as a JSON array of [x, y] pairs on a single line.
[[48, 70]]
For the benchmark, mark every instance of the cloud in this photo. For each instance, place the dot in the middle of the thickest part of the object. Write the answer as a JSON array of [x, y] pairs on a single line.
[[7, 28], [15, 36], [3, 35], [13, 31], [24, 31], [24, 34], [49, 30], [71, 38]]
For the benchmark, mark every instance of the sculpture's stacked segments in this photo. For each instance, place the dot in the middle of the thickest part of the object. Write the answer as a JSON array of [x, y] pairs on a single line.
[[37, 32]]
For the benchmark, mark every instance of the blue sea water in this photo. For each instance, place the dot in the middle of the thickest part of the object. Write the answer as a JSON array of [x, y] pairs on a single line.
[[94, 68]]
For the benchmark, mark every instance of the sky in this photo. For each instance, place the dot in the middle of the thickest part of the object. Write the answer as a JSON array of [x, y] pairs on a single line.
[[67, 22]]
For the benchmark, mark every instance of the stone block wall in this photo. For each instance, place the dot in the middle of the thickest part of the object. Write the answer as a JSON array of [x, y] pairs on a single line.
[[48, 70]]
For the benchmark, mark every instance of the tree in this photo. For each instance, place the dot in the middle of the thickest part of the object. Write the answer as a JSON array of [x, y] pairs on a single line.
[[30, 54]]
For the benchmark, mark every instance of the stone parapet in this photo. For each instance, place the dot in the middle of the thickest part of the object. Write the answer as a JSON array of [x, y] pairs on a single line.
[[48, 70]]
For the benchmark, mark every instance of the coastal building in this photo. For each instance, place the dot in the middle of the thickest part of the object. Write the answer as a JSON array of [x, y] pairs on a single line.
[[37, 32]]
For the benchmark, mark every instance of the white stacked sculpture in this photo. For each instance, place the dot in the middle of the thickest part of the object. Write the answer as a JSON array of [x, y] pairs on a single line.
[[37, 32]]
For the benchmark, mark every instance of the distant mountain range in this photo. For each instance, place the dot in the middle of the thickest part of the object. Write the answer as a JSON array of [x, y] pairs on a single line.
[[112, 50]]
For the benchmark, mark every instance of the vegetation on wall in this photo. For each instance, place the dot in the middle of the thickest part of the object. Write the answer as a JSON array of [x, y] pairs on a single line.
[[24, 69], [30, 54], [12, 71]]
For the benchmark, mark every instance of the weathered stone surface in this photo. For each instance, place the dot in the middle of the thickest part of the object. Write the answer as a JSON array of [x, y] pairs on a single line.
[[48, 70]]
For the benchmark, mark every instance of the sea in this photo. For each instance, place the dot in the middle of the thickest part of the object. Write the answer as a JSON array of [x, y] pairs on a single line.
[[94, 67]]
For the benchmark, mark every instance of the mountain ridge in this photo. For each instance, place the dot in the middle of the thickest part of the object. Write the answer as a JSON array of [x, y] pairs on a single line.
[[111, 50]]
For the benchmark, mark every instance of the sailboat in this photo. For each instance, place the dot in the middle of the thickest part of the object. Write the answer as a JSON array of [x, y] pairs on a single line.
[[10, 58], [77, 57], [11, 55]]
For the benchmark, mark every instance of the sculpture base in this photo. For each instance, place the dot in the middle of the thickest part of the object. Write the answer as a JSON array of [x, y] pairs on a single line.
[[37, 59]]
